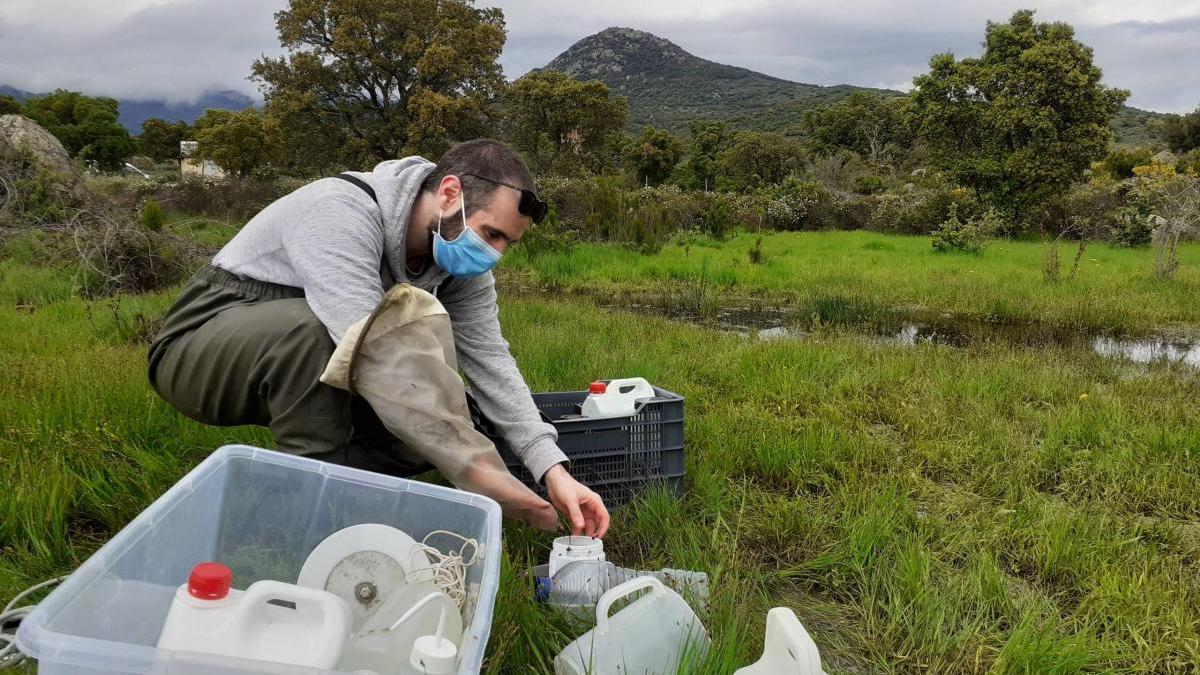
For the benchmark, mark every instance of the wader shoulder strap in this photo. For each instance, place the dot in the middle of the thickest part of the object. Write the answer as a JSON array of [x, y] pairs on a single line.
[[361, 184], [362, 336]]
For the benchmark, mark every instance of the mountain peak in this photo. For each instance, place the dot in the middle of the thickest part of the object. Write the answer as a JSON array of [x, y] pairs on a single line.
[[667, 86], [616, 51]]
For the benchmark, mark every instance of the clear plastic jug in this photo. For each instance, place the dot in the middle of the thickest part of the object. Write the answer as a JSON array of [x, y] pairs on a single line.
[[654, 635], [580, 584]]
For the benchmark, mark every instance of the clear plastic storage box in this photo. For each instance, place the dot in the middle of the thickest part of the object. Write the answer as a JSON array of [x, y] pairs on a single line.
[[260, 513]]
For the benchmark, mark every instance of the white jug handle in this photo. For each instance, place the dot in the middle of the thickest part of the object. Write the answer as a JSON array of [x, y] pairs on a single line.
[[334, 612], [641, 388], [617, 592]]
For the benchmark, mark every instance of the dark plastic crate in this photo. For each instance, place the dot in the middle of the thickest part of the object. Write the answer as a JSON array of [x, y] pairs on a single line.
[[617, 457]]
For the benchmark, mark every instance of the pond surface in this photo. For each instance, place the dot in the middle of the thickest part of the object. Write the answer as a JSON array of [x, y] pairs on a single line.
[[779, 323]]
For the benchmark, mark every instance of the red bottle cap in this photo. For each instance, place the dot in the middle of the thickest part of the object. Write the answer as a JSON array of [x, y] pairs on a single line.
[[210, 581], [597, 387]]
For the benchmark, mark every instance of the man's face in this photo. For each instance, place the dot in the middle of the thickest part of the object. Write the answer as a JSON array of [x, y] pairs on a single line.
[[499, 223]]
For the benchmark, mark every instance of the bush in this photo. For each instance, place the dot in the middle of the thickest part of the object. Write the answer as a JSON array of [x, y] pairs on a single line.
[[797, 205], [1189, 163], [841, 169], [32, 194], [1119, 162], [717, 218], [549, 236], [1087, 211], [1133, 222], [152, 216], [868, 185], [570, 197], [1131, 228], [922, 210], [232, 199], [969, 236], [118, 256], [756, 253]]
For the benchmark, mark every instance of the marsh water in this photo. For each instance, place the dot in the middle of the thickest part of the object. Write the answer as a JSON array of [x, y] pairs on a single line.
[[781, 323]]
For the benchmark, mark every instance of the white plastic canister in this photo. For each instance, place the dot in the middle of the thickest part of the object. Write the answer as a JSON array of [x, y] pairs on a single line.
[[566, 550], [269, 621], [656, 633], [616, 398]]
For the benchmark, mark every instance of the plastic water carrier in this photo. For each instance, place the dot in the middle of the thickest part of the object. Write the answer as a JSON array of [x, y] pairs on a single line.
[[656, 633], [269, 621], [616, 398]]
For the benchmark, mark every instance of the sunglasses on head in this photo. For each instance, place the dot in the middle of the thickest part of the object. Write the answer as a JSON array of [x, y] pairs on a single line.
[[530, 205]]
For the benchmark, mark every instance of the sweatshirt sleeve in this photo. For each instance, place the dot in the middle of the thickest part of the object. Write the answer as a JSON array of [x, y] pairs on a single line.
[[336, 250], [496, 382]]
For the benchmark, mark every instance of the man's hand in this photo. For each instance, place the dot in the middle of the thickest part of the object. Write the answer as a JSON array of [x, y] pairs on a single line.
[[582, 507]]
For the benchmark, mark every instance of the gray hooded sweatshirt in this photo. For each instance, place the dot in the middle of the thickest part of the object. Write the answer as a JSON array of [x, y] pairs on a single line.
[[330, 239]]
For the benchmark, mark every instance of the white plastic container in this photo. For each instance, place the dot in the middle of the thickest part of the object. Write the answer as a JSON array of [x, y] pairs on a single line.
[[269, 621], [391, 637], [653, 635], [616, 398], [787, 648], [573, 549], [261, 513]]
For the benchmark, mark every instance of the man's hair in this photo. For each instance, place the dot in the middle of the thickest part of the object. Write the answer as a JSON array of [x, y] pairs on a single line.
[[483, 157]]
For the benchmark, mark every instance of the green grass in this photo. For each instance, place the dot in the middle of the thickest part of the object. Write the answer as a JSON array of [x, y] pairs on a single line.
[[863, 274], [990, 509]]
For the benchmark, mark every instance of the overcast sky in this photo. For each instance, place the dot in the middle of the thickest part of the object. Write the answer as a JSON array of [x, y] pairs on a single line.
[[177, 49]]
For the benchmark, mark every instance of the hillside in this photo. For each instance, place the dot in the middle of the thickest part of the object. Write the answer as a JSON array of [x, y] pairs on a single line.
[[133, 111], [667, 87]]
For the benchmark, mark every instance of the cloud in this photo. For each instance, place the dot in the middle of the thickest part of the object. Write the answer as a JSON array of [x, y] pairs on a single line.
[[168, 49], [178, 49]]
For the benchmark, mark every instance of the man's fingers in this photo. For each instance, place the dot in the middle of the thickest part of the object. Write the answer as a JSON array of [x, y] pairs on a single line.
[[575, 514], [600, 513]]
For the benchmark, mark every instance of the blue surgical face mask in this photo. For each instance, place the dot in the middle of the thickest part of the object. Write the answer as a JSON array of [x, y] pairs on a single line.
[[468, 255]]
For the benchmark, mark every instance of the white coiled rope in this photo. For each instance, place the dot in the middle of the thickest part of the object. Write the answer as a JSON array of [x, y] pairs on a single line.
[[10, 656], [447, 571]]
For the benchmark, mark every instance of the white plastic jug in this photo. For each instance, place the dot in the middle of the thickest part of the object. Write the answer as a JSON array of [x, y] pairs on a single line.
[[787, 650], [269, 621], [616, 398], [653, 635], [572, 549]]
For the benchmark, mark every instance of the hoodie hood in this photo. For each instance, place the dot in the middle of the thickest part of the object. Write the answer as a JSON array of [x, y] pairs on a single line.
[[397, 182]]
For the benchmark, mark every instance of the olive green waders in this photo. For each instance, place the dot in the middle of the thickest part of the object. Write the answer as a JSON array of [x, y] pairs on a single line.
[[236, 351]]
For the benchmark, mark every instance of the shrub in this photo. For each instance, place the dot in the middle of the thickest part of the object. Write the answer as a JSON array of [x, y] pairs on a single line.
[[756, 252], [797, 205], [969, 236], [570, 197], [1130, 227], [1189, 163], [152, 216], [549, 236], [1119, 162], [117, 256], [233, 199], [921, 210], [717, 218], [1143, 197], [841, 169], [1085, 212], [32, 194], [868, 185]]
